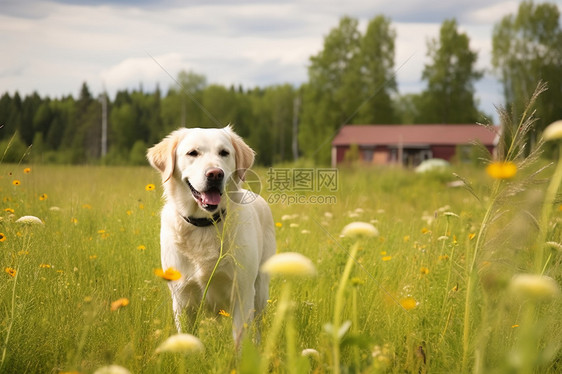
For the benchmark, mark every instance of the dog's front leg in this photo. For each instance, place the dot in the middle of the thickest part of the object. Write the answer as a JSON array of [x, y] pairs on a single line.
[[184, 296]]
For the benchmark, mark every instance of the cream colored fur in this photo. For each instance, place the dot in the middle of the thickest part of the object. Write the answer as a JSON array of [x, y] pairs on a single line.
[[246, 233]]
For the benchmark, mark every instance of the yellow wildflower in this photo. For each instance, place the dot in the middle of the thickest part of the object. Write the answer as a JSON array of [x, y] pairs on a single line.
[[471, 236], [170, 274], [43, 197], [141, 247], [11, 271], [16, 182], [27, 170], [9, 210], [387, 258], [408, 303], [119, 303], [278, 224], [424, 270], [2, 237], [150, 187], [501, 169], [514, 326], [224, 313], [45, 266]]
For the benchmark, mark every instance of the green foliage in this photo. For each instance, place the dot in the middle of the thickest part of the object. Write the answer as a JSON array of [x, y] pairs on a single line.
[[137, 156], [409, 283], [13, 150], [450, 76], [352, 80], [526, 50]]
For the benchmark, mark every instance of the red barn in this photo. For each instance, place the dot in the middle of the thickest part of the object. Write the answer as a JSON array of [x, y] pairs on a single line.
[[409, 144]]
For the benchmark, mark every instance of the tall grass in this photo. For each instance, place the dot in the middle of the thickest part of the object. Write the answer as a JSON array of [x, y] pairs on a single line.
[[406, 295]]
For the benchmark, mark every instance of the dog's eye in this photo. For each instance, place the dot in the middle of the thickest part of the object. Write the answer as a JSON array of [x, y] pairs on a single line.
[[193, 153], [224, 153]]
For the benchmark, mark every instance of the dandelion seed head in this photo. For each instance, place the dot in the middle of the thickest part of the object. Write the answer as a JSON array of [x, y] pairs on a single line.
[[534, 287], [310, 352], [289, 263], [112, 369], [30, 220], [553, 131], [359, 229], [181, 343]]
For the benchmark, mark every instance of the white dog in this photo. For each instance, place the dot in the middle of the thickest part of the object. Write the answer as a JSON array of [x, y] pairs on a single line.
[[216, 242]]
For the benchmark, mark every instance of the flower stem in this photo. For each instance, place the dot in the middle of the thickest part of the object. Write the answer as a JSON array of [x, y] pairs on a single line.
[[278, 318], [12, 314], [338, 308], [550, 196]]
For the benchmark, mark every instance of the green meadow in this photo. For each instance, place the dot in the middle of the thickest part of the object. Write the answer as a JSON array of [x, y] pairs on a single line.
[[432, 293]]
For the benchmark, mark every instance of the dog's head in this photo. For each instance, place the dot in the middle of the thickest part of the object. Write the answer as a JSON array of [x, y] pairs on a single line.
[[197, 163]]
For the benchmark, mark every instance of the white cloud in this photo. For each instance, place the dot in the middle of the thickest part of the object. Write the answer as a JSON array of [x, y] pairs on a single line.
[[138, 70], [494, 12], [54, 47]]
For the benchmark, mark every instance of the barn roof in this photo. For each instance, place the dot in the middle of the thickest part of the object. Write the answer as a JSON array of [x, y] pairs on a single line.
[[414, 135]]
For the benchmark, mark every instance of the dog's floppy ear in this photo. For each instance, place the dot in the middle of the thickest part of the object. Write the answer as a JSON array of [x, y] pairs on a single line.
[[162, 156], [244, 155]]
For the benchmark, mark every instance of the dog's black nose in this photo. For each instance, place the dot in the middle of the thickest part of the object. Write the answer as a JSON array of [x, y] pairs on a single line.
[[214, 174]]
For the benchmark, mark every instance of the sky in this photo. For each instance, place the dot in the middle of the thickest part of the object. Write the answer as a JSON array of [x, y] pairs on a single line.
[[52, 47]]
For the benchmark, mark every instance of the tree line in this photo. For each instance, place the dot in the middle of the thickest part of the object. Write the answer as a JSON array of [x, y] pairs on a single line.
[[350, 81]]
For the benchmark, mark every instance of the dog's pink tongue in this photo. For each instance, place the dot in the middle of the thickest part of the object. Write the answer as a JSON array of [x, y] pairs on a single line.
[[211, 197]]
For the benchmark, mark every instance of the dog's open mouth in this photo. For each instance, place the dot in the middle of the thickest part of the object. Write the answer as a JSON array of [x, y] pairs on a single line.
[[209, 199]]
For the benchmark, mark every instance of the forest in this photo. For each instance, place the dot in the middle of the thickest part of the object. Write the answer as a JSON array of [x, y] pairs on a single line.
[[350, 81]]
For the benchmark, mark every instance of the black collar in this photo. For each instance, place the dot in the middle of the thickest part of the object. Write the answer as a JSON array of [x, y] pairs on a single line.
[[204, 222]]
